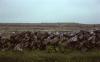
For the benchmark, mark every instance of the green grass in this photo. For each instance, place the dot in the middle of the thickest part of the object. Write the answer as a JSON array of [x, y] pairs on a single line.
[[44, 56]]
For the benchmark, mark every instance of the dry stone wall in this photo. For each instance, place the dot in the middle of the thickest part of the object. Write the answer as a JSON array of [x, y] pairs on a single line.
[[80, 40]]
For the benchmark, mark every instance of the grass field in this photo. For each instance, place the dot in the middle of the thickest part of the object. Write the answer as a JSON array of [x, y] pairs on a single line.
[[44, 56]]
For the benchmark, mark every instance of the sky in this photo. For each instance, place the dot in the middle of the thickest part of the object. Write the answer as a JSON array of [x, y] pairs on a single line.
[[50, 11]]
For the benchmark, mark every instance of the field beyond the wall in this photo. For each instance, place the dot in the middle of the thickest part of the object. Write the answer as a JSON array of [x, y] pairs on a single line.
[[46, 26]]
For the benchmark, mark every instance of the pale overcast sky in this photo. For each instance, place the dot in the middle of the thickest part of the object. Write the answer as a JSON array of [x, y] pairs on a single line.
[[45, 11]]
